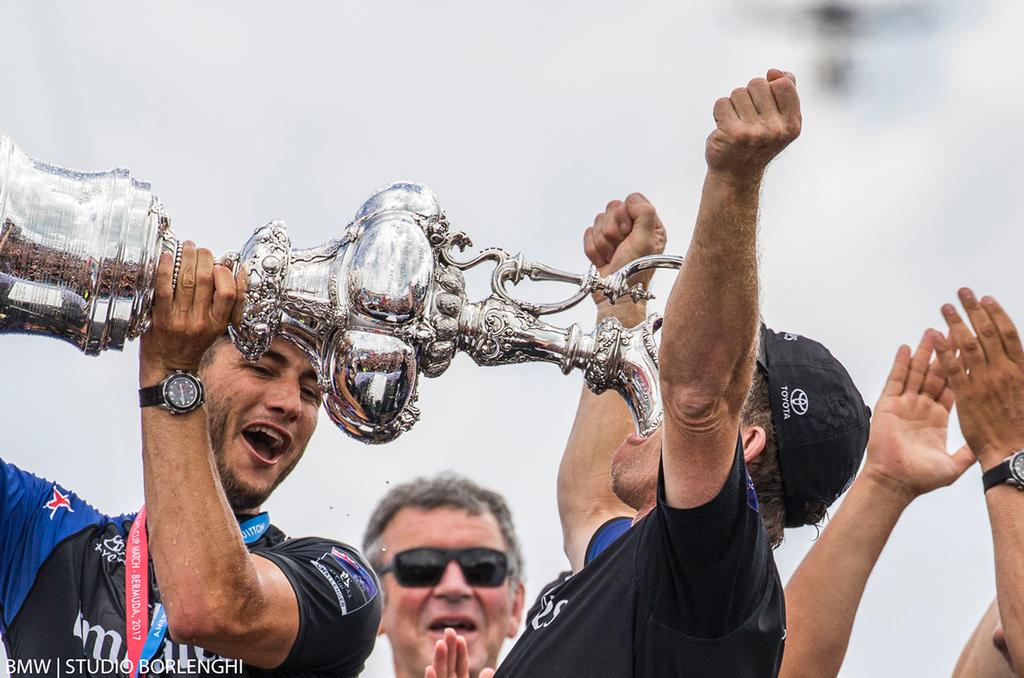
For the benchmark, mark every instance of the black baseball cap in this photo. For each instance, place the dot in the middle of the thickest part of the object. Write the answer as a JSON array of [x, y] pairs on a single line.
[[820, 419]]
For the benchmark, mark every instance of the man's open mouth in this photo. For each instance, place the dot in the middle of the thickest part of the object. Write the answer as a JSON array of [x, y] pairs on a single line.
[[460, 625], [267, 442]]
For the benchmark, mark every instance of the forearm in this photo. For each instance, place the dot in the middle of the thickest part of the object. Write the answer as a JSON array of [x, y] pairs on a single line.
[[201, 563], [1004, 507], [824, 593], [585, 497], [711, 316], [707, 347]]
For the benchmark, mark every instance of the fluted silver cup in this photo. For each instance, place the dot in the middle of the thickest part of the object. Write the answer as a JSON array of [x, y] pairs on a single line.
[[78, 251]]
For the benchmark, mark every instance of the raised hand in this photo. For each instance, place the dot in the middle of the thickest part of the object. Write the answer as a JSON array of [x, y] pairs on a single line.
[[907, 445], [987, 376], [625, 231], [189, 316], [754, 124], [451, 658]]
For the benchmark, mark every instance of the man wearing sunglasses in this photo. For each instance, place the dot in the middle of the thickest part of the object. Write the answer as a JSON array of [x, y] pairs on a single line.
[[448, 557]]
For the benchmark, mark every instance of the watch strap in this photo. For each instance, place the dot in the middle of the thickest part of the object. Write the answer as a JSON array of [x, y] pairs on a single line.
[[997, 475], [151, 395]]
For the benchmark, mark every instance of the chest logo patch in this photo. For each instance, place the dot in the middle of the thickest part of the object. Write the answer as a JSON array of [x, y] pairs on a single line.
[[549, 609], [363, 578], [111, 549], [59, 501]]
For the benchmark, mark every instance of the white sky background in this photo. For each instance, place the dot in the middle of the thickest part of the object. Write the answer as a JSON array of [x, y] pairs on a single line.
[[526, 118]]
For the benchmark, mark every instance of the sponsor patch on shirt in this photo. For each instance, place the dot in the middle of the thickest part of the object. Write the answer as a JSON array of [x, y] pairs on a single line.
[[363, 579], [111, 549]]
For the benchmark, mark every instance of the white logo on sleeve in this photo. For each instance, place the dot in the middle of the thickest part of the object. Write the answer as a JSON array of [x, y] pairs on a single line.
[[548, 613], [549, 607], [794, 402], [790, 337]]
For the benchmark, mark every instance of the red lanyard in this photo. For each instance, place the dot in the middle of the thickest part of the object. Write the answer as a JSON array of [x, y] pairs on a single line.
[[143, 642], [136, 589]]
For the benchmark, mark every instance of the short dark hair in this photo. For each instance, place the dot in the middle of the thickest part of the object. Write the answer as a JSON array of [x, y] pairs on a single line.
[[764, 468], [447, 490]]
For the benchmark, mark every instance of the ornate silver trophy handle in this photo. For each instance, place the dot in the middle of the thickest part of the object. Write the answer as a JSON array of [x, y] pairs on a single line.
[[504, 330], [514, 268]]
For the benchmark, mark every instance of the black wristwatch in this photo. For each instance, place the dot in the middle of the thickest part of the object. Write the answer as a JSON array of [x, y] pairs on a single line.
[[179, 393], [1010, 472]]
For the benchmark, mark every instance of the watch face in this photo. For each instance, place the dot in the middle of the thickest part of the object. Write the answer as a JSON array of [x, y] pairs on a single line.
[[181, 391], [1017, 467]]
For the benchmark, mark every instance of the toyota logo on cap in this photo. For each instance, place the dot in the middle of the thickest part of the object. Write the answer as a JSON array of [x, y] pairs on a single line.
[[798, 401]]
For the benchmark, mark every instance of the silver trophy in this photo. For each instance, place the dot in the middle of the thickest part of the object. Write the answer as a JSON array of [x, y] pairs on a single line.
[[372, 309]]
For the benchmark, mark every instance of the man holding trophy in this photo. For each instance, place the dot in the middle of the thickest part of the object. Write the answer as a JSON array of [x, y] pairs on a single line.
[[80, 260], [200, 574], [199, 580], [691, 588]]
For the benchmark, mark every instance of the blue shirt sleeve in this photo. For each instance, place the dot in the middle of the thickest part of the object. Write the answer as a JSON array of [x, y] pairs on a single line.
[[36, 515], [606, 535]]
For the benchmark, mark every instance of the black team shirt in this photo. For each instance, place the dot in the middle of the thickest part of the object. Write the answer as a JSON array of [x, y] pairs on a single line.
[[684, 593], [62, 594]]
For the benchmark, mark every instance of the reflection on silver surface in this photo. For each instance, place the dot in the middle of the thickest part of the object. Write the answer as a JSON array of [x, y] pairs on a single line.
[[75, 248], [389, 275], [372, 378], [372, 308]]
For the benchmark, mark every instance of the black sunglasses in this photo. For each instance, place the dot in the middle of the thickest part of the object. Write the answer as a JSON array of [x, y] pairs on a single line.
[[425, 566]]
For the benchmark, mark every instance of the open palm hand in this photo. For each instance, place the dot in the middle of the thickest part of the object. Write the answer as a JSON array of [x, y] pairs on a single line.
[[907, 444]]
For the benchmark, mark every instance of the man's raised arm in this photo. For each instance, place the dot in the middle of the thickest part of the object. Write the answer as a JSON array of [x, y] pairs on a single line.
[[711, 319], [987, 376], [625, 231], [216, 595], [906, 458]]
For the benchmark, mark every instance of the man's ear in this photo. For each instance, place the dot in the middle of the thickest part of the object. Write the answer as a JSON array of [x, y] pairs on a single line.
[[381, 629], [754, 440], [516, 616]]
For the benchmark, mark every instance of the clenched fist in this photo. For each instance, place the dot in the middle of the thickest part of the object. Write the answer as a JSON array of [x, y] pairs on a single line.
[[625, 231], [754, 124]]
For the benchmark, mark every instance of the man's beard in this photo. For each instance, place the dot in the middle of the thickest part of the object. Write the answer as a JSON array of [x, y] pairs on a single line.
[[635, 480], [632, 489], [241, 496]]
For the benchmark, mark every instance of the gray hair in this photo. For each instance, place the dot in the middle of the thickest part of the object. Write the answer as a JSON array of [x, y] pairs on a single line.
[[447, 490]]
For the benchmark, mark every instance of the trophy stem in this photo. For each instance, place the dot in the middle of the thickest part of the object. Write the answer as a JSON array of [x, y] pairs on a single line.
[[611, 356]]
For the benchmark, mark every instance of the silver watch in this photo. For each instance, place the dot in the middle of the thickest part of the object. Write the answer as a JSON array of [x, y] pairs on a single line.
[[181, 392]]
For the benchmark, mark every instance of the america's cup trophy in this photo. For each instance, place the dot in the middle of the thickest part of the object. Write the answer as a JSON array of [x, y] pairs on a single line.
[[372, 308]]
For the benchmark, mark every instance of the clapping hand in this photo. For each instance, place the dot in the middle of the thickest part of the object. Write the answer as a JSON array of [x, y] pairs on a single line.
[[907, 445], [987, 376], [451, 658]]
